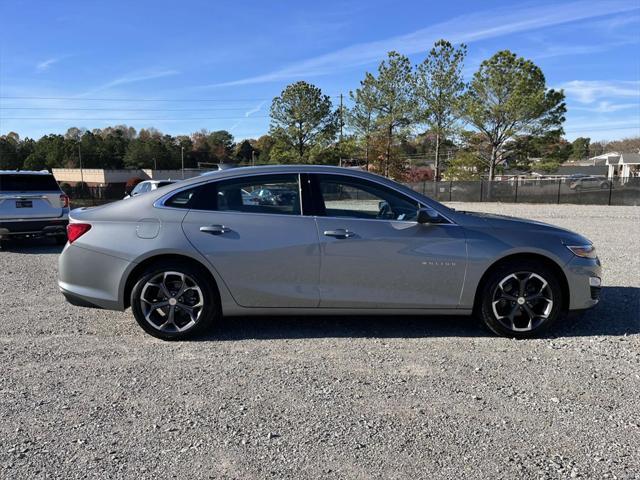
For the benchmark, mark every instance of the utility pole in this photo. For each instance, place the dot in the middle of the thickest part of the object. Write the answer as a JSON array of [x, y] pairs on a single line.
[[155, 164], [182, 158], [81, 174], [253, 158], [341, 124]]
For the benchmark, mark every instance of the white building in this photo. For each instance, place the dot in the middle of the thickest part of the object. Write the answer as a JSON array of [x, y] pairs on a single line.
[[623, 165]]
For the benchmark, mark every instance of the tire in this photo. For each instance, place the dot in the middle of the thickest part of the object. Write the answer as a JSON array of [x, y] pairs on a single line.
[[521, 299], [61, 239], [194, 311], [5, 243]]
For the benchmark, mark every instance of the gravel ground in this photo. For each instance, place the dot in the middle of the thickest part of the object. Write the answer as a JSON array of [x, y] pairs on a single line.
[[86, 394]]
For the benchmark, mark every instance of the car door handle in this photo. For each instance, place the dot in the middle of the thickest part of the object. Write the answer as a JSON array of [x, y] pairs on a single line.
[[215, 229], [339, 233]]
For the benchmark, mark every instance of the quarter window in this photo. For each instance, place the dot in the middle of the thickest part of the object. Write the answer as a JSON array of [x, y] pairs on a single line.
[[355, 198]]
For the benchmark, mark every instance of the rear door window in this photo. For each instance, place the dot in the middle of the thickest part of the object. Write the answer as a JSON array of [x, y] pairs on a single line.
[[274, 194], [28, 183]]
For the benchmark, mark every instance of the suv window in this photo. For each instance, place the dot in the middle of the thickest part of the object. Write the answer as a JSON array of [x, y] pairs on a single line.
[[344, 196], [23, 182]]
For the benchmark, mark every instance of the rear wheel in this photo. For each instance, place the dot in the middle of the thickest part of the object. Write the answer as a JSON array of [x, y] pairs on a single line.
[[173, 302], [521, 300]]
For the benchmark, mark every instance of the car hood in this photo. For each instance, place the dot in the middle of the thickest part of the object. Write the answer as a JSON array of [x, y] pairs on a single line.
[[500, 222]]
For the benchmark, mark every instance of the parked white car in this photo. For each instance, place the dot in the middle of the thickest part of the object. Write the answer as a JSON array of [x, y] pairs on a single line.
[[148, 186]]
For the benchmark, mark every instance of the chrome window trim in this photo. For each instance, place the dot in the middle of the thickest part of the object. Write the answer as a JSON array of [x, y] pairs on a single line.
[[159, 203]]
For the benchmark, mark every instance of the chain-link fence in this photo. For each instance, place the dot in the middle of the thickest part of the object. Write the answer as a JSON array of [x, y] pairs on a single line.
[[83, 195], [583, 190]]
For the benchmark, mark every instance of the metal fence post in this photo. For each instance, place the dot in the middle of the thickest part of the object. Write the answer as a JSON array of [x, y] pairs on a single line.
[[424, 187], [516, 190], [481, 186], [450, 186], [610, 189], [559, 185]]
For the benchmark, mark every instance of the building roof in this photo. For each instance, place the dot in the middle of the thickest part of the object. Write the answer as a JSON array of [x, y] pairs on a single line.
[[605, 156], [630, 158]]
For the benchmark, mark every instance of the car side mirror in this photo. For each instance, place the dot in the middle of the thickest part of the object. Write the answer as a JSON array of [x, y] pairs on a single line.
[[428, 215]]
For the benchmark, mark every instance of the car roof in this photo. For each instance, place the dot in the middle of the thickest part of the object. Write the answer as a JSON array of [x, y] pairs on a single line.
[[158, 181], [25, 172], [293, 168]]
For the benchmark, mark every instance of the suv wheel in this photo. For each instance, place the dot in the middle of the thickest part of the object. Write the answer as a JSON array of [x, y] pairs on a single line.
[[521, 300], [173, 302]]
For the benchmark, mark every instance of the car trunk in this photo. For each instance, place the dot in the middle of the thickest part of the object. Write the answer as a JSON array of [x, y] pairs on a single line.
[[24, 196]]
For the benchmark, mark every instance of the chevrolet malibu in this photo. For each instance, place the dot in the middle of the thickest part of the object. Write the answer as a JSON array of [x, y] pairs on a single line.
[[338, 241]]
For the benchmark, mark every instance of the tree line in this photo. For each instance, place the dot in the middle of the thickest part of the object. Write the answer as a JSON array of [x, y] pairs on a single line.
[[505, 115]]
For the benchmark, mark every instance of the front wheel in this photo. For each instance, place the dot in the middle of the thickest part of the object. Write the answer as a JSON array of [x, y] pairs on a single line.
[[521, 300], [173, 302]]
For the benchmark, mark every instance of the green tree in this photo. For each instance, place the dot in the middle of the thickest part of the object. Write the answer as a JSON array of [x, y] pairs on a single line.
[[439, 85], [395, 106], [362, 117], [465, 166], [264, 144], [221, 145], [245, 151], [580, 148], [301, 118], [507, 97], [9, 159]]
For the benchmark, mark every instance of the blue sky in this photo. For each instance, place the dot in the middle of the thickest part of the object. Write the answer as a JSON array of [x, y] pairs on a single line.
[[184, 66]]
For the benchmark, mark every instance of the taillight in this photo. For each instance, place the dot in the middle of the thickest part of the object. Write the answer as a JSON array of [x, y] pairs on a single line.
[[76, 230], [64, 200]]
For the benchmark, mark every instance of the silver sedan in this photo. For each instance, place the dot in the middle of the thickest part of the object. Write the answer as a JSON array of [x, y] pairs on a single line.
[[324, 241]]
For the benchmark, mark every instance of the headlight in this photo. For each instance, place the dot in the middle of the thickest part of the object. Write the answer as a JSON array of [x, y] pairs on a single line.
[[584, 251]]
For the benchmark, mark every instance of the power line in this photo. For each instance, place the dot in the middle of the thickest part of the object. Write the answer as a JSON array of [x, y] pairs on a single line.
[[132, 119], [126, 109], [6, 97], [82, 99]]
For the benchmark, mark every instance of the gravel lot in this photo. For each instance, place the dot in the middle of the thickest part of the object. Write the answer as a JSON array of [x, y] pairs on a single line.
[[86, 394]]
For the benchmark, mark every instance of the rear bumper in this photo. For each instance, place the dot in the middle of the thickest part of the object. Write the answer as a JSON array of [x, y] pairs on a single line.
[[91, 279], [34, 228]]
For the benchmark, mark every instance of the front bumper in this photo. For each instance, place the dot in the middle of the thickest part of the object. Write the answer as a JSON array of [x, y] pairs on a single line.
[[584, 276], [34, 228]]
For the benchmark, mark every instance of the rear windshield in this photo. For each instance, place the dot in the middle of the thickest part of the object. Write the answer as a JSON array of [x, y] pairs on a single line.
[[27, 183], [164, 184]]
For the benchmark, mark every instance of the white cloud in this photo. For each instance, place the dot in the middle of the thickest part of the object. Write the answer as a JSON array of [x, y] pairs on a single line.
[[608, 107], [255, 109], [132, 77], [590, 91], [45, 64], [466, 28]]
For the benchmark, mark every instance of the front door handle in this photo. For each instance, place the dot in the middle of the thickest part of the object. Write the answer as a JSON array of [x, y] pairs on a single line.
[[339, 233], [215, 229]]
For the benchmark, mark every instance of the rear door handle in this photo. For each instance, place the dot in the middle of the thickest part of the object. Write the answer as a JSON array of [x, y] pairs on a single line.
[[339, 233], [215, 229]]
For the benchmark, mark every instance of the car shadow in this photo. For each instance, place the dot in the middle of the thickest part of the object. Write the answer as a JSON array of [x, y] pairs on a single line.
[[617, 314], [32, 246]]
